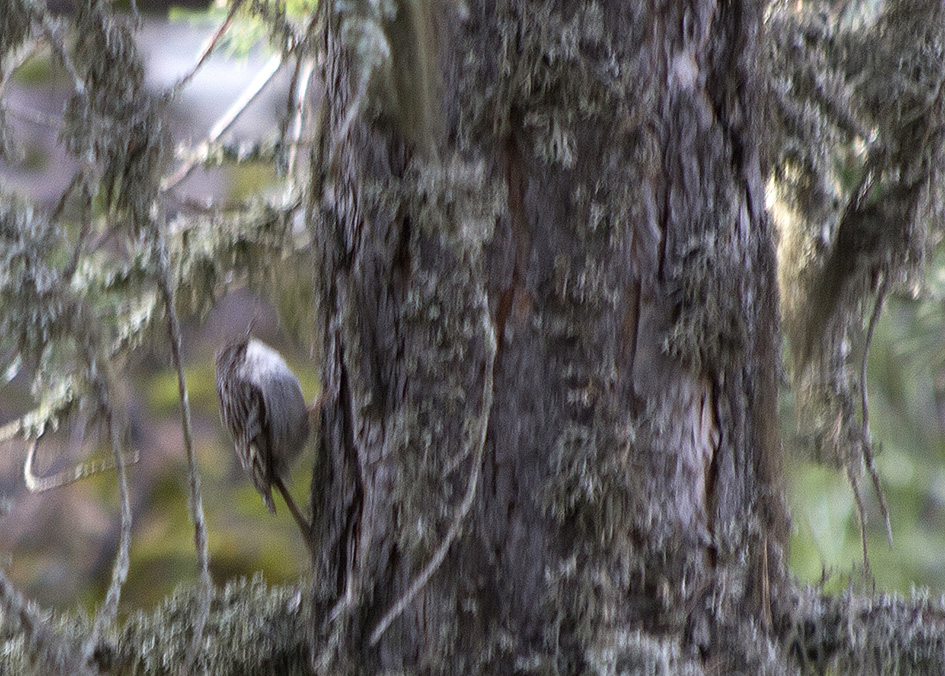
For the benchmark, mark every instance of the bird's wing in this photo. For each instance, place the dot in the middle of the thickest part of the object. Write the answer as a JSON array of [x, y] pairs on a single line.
[[252, 439]]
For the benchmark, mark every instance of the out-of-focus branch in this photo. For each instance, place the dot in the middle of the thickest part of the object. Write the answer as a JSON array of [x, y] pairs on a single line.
[[41, 484], [208, 46], [195, 500], [52, 31], [263, 77], [301, 97], [107, 613]]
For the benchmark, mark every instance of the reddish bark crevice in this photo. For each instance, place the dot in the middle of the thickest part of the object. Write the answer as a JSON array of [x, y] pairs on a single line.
[[619, 468], [514, 297]]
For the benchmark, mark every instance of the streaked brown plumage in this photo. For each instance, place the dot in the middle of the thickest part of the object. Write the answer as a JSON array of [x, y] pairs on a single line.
[[261, 403]]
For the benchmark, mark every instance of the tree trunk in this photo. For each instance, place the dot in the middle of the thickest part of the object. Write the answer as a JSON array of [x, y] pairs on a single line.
[[551, 352]]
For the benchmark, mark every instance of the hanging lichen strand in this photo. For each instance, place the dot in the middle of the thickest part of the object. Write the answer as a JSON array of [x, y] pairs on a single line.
[[856, 149]]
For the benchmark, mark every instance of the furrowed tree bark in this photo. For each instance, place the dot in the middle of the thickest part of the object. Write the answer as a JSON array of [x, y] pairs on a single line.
[[558, 309]]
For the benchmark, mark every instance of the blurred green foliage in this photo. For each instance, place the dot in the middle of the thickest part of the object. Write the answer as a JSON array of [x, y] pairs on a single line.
[[250, 179], [906, 385]]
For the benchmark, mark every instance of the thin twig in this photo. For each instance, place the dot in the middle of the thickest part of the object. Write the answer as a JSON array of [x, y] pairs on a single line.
[[301, 95], [290, 99], [860, 513], [195, 502], [460, 516], [38, 418], [300, 519], [61, 204], [208, 46], [120, 568], [867, 446], [285, 211], [85, 226], [41, 484], [51, 30], [259, 82]]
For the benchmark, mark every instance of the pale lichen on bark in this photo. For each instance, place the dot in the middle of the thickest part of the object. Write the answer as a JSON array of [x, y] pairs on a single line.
[[558, 306], [252, 629]]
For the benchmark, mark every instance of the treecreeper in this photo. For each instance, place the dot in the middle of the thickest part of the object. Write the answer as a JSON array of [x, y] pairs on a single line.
[[262, 406]]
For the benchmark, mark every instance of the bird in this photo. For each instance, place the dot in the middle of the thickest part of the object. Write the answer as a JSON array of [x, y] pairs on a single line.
[[262, 406]]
